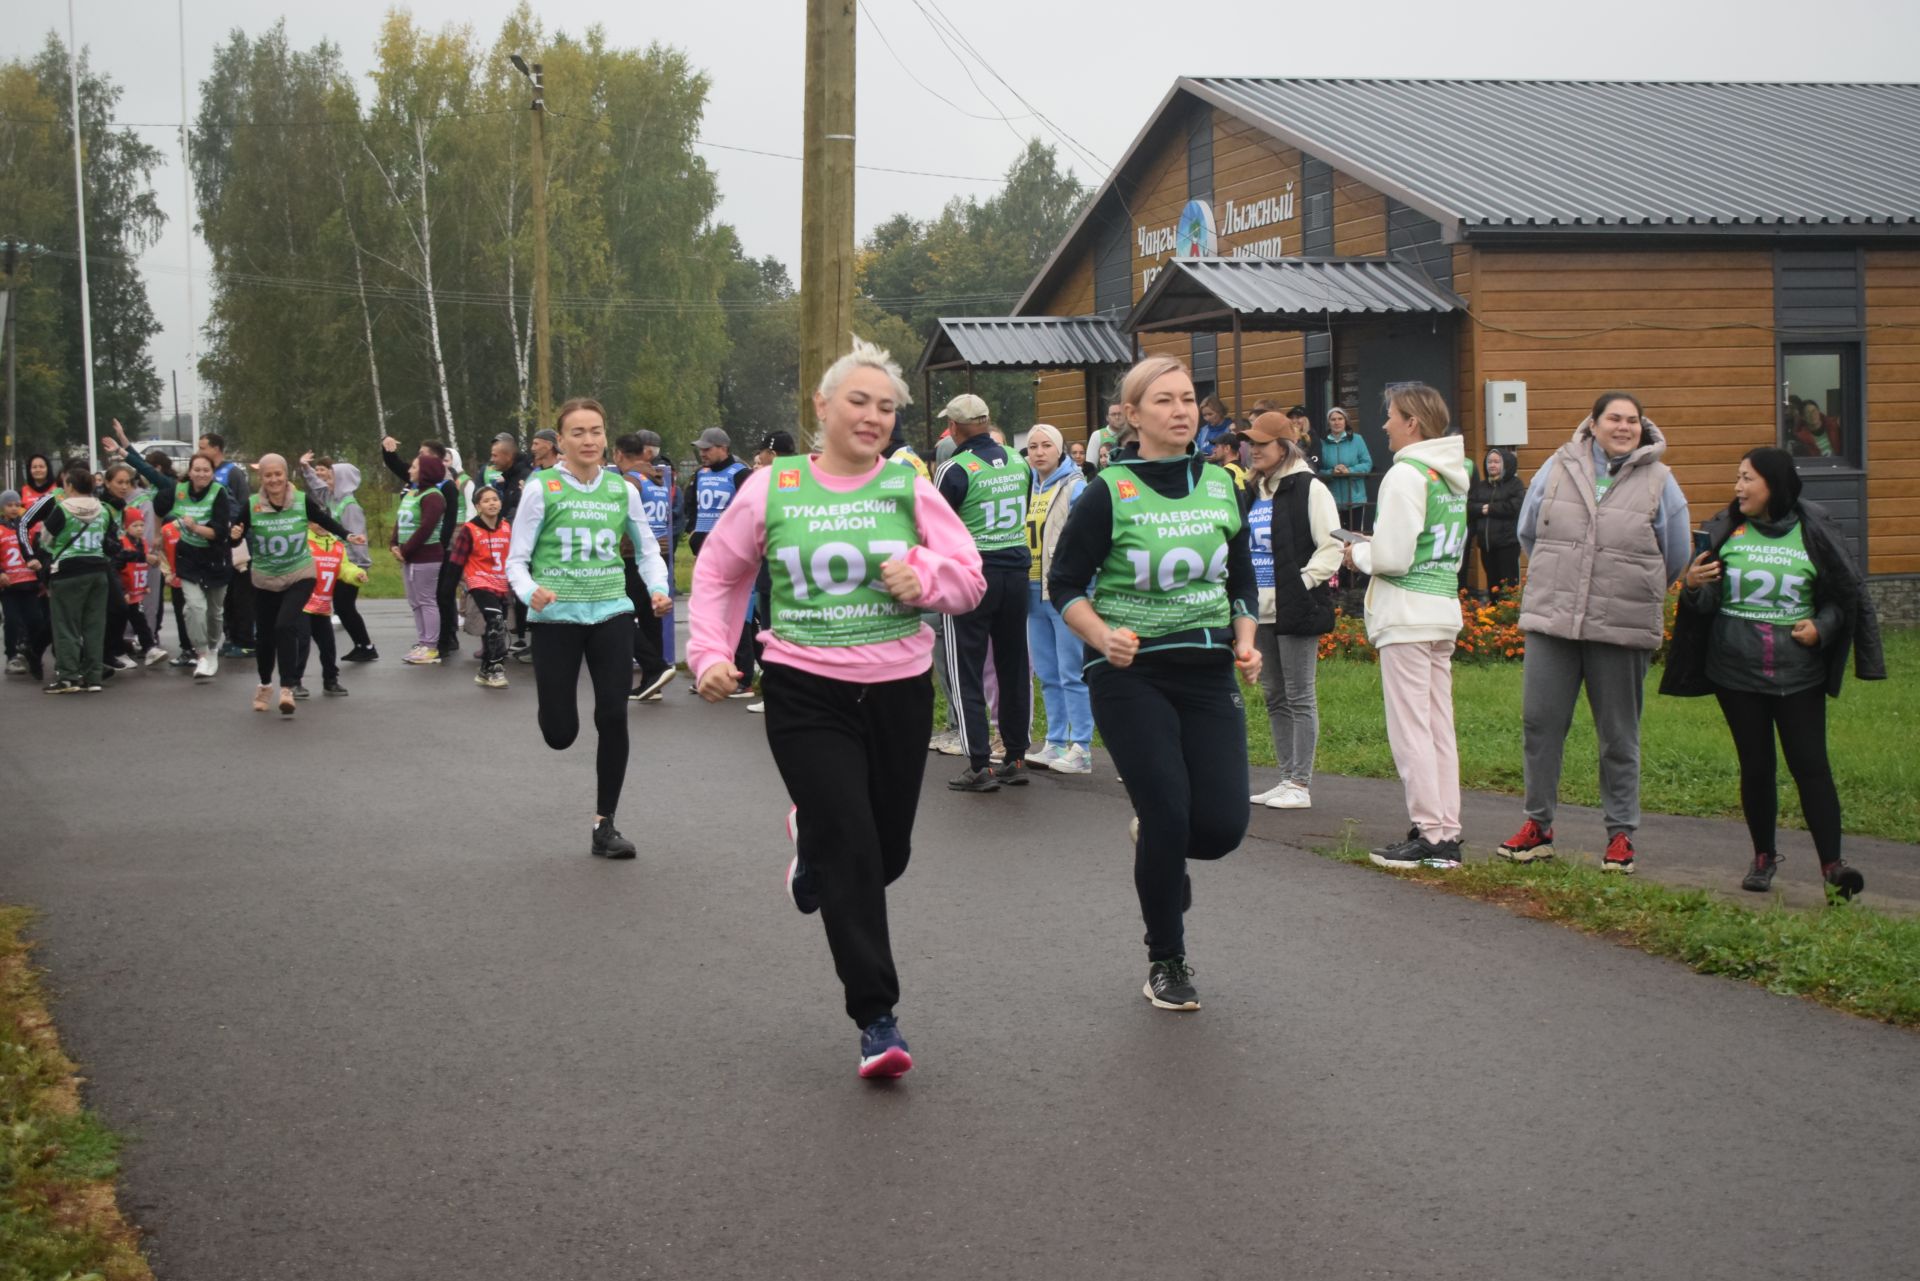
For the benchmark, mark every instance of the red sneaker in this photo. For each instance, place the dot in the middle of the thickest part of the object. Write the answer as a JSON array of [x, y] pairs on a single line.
[[1532, 842], [1619, 857]]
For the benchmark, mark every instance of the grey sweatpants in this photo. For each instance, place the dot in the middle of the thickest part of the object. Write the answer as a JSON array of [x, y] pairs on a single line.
[[1288, 665], [1615, 679]]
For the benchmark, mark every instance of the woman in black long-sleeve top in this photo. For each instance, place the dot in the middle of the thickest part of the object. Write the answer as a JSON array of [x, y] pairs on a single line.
[[1493, 516]]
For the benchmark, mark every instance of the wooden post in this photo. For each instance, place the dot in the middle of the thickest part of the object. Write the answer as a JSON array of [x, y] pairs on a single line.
[[826, 198], [1237, 416]]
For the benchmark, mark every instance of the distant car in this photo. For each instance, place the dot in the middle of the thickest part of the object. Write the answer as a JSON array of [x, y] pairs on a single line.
[[181, 451]]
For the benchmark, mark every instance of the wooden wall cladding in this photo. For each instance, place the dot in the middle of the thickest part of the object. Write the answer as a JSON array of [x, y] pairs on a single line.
[[1893, 411]]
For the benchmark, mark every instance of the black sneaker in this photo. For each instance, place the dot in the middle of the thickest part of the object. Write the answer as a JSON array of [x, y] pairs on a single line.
[[1446, 854], [1012, 772], [1170, 985], [333, 689], [608, 843], [976, 780], [1845, 881], [1759, 877], [360, 654], [64, 687], [185, 658], [1412, 852], [301, 691]]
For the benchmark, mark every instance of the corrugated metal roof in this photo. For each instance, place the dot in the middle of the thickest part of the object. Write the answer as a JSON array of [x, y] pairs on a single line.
[[1541, 154], [1284, 293], [1026, 342]]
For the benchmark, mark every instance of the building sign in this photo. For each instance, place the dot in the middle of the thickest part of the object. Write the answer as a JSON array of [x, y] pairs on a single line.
[[1195, 235]]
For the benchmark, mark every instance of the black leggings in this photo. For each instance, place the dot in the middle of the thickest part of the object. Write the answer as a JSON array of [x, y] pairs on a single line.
[[319, 637], [852, 757], [445, 589], [279, 630], [493, 638], [179, 598], [647, 654], [1177, 733], [1801, 721], [346, 605], [607, 649]]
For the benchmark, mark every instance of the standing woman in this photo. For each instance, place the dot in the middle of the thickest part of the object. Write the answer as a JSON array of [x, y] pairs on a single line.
[[204, 513], [419, 532], [1605, 528], [1493, 510], [1769, 614], [1347, 461], [846, 674], [40, 480], [274, 523], [1054, 650], [1413, 617], [335, 485], [1166, 623], [1290, 524], [564, 561]]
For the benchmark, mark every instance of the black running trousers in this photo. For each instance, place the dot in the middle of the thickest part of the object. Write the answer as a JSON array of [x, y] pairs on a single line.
[[999, 621], [648, 655], [1177, 732], [1801, 722], [606, 648], [281, 631], [852, 757], [346, 604]]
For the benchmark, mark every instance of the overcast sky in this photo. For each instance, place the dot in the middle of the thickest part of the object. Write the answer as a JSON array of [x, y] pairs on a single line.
[[1095, 69]]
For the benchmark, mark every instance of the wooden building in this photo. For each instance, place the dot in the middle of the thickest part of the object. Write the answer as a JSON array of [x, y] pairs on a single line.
[[1744, 257]]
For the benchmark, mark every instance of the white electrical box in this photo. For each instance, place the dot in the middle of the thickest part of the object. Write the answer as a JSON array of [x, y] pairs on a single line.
[[1506, 413]]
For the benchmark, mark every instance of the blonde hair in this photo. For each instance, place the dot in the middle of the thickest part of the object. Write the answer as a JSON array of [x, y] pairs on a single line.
[[865, 355], [1422, 404], [1133, 388]]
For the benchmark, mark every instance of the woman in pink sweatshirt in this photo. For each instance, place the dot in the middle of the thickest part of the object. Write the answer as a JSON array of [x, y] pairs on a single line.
[[857, 550]]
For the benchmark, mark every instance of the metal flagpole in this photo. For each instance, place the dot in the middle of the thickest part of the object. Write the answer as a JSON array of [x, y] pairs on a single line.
[[80, 211], [186, 204]]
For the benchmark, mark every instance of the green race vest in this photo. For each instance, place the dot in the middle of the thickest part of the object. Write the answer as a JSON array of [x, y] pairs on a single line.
[[278, 538], [995, 508], [1767, 580], [576, 555], [1443, 540], [491, 475], [1167, 569], [341, 504], [198, 510], [78, 539], [826, 548], [406, 518]]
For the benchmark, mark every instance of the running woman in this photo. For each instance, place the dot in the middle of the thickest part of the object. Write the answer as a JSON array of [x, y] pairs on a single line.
[[1770, 612], [846, 673], [1167, 623], [274, 523], [564, 562], [479, 552]]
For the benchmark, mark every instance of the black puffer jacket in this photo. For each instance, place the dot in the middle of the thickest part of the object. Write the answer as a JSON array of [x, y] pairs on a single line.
[[1500, 527], [1838, 583]]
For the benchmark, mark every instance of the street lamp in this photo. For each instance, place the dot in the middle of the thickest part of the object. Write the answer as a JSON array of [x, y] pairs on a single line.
[[542, 376]]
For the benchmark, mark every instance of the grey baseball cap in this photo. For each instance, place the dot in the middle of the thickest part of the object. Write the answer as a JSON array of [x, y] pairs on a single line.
[[966, 408], [714, 438]]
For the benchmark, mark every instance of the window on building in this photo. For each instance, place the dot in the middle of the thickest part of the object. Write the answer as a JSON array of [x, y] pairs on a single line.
[[1820, 403]]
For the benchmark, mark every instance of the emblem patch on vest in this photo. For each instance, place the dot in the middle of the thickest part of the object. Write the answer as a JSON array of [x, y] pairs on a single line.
[[790, 479], [1127, 491]]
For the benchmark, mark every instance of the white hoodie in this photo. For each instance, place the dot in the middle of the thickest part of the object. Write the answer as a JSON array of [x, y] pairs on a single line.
[[1396, 616]]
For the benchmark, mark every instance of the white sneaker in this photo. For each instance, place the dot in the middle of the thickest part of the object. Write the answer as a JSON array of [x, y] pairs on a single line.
[[1290, 796], [206, 667], [1267, 797], [1075, 760], [946, 743], [1044, 755], [122, 663], [155, 655], [757, 707], [16, 666]]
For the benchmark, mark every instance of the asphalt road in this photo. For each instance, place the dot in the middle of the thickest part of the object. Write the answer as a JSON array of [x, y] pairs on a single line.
[[368, 1009]]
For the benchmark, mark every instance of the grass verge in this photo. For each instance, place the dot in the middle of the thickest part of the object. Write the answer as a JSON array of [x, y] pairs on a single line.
[[58, 1218], [1847, 956]]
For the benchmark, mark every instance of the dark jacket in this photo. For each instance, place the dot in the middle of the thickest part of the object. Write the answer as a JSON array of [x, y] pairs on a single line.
[[1838, 583], [1500, 527], [1297, 609]]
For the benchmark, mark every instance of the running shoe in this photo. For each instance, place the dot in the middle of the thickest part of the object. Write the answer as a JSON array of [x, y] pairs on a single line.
[[1759, 877], [947, 743], [883, 1051], [1619, 855], [757, 708], [1290, 796], [286, 701], [1170, 985], [155, 655], [186, 658], [1261, 798], [205, 666], [301, 691], [1044, 755], [1845, 880], [333, 689], [64, 687], [800, 887], [360, 654], [121, 663], [262, 695], [422, 656], [1530, 844], [93, 687], [744, 691], [16, 666], [608, 843], [651, 689], [975, 780], [1075, 760], [1445, 855], [1415, 851], [1011, 773], [231, 650]]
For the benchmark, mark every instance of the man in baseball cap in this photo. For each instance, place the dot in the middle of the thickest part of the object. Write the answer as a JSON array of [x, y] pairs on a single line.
[[545, 447]]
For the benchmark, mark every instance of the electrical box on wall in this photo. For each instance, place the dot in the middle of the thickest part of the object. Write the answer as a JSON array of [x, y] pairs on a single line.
[[1506, 413]]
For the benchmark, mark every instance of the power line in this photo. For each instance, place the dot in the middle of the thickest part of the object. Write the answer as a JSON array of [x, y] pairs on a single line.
[[777, 155], [971, 115]]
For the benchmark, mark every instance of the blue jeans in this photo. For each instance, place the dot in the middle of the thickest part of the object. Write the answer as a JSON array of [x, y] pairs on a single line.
[[1056, 654]]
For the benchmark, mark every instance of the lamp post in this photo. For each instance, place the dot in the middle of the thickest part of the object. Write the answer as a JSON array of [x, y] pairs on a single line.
[[542, 375]]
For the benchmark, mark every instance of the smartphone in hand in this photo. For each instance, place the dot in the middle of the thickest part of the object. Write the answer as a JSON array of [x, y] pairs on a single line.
[[1348, 536]]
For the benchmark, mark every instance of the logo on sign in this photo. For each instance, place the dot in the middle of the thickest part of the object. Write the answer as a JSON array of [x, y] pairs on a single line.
[[790, 479], [1196, 238], [1127, 491]]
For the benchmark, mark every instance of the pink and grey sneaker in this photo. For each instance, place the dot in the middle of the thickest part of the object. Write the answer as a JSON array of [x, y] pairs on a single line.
[[1619, 855], [883, 1051], [800, 886]]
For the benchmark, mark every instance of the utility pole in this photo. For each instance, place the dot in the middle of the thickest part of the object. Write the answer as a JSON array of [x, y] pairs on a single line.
[[826, 197], [186, 209], [177, 424], [13, 345], [80, 212], [542, 333]]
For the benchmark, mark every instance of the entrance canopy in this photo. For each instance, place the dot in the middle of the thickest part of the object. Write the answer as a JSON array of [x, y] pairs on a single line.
[[1218, 295], [1026, 342]]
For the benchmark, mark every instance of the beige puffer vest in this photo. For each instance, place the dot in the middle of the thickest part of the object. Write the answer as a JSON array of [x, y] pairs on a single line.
[[1596, 572]]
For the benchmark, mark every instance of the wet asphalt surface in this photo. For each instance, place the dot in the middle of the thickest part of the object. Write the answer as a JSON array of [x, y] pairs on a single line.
[[366, 1008]]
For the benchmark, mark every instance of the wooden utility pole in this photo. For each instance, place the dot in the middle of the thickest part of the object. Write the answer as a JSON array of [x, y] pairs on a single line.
[[826, 198], [542, 334]]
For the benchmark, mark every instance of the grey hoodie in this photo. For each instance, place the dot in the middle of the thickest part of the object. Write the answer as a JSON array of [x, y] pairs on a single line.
[[346, 480]]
